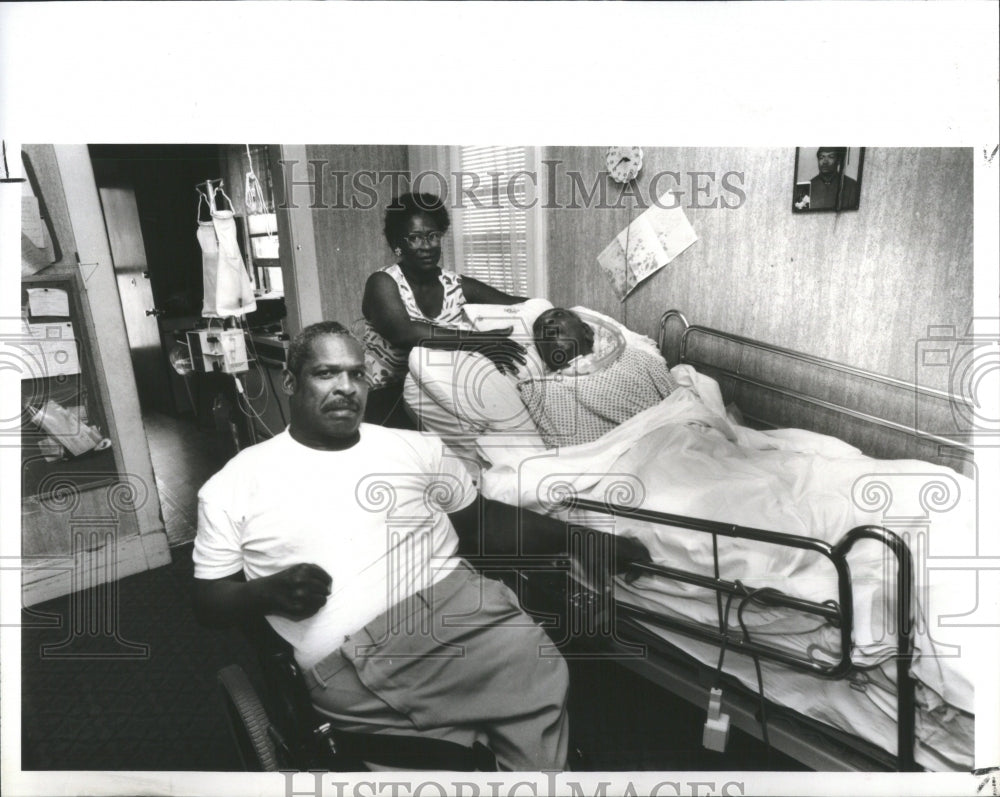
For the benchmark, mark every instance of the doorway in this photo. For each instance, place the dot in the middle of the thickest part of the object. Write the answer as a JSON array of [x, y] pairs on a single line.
[[147, 194]]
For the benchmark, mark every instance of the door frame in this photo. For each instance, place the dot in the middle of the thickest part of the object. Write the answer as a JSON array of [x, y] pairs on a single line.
[[134, 553]]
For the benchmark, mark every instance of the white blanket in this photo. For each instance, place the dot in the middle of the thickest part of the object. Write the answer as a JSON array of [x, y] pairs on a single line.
[[684, 456]]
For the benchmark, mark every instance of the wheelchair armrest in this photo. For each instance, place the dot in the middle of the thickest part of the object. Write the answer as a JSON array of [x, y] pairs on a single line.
[[281, 671]]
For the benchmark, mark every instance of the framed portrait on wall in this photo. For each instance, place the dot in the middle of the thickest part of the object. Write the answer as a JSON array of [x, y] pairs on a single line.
[[827, 178]]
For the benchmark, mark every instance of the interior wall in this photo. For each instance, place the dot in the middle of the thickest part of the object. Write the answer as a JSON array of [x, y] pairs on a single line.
[[860, 286], [348, 221]]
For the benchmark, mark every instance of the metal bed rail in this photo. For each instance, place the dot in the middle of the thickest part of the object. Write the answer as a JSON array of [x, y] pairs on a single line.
[[904, 587], [840, 613], [690, 331]]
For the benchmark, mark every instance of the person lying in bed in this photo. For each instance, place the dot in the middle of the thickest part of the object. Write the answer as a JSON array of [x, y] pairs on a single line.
[[592, 382]]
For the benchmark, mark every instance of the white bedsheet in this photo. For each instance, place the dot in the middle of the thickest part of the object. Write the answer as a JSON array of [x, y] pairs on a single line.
[[685, 457]]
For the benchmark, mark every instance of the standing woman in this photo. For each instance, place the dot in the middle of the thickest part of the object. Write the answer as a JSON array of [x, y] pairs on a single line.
[[414, 302]]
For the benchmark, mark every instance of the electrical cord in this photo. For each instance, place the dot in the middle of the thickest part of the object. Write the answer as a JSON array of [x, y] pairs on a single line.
[[716, 731], [252, 414], [763, 712], [725, 641], [262, 393], [253, 351], [748, 599]]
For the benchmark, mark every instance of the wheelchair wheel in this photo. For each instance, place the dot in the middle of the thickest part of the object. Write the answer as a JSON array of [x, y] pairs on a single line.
[[248, 721]]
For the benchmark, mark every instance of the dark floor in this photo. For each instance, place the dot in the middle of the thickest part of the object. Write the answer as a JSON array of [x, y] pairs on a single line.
[[86, 707], [183, 456], [132, 687]]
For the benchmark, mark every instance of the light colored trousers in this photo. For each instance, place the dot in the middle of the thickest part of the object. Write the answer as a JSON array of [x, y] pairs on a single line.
[[459, 661]]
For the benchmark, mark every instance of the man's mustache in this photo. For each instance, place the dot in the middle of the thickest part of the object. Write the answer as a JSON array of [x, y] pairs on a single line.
[[341, 404]]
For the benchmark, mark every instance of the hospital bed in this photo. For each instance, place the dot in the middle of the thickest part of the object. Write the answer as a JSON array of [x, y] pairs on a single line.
[[837, 692]]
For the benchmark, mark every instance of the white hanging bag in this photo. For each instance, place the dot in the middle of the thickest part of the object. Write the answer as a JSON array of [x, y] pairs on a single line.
[[228, 291]]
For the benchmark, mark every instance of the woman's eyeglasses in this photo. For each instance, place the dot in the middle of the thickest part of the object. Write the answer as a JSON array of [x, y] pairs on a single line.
[[431, 238]]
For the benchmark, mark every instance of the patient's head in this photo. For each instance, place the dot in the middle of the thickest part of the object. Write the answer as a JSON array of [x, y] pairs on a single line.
[[561, 335]]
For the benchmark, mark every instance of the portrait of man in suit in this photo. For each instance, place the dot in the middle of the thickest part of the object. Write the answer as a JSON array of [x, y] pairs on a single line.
[[835, 183]]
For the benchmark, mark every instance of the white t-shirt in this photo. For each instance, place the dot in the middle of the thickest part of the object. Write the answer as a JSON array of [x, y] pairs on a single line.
[[372, 516]]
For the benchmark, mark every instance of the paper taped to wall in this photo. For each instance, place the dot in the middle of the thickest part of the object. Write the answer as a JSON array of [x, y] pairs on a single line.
[[645, 246], [49, 302]]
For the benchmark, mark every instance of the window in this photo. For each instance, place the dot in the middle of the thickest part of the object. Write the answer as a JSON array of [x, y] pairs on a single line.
[[262, 223], [494, 199]]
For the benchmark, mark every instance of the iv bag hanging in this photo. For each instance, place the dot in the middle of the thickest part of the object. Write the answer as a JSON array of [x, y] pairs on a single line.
[[253, 193], [227, 288]]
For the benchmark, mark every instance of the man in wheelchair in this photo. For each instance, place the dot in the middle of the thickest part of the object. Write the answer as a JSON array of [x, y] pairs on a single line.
[[343, 535]]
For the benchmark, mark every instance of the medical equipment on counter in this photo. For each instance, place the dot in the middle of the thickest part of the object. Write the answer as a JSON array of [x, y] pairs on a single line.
[[216, 349]]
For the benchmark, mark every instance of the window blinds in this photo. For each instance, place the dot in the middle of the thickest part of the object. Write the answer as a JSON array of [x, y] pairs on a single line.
[[493, 229]]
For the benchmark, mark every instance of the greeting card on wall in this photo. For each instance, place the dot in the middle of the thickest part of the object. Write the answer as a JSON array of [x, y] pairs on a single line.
[[644, 247]]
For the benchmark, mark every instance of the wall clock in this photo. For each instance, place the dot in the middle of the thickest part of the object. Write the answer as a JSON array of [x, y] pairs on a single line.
[[623, 163]]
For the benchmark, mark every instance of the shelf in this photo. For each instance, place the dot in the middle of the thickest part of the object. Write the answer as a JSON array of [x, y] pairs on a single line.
[[75, 391]]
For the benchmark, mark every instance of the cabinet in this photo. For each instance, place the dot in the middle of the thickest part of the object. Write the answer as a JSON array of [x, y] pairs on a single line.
[[79, 504], [65, 439], [74, 500]]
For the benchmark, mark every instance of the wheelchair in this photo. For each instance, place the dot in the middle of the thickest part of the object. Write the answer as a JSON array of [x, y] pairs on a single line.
[[278, 729]]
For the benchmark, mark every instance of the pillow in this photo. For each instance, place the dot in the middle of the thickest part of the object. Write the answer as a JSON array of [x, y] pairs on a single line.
[[488, 317], [611, 338], [463, 398], [521, 318], [609, 343], [632, 339], [469, 386]]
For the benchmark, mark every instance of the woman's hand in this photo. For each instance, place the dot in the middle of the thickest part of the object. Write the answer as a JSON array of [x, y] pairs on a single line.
[[506, 354]]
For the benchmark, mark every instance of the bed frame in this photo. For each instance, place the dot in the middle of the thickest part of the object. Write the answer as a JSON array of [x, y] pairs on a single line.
[[778, 387]]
